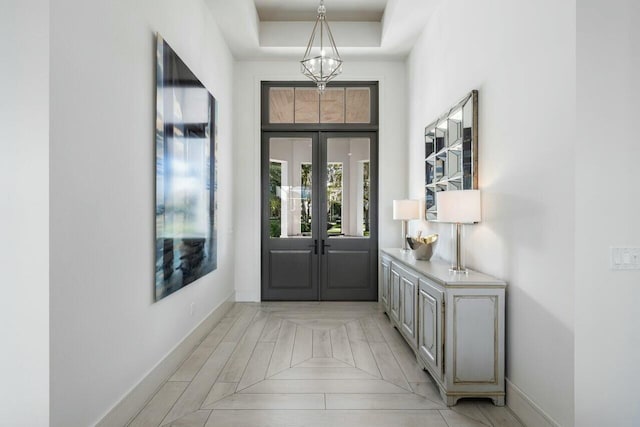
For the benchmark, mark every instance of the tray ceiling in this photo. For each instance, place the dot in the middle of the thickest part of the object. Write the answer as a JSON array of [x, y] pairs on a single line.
[[279, 29], [305, 10]]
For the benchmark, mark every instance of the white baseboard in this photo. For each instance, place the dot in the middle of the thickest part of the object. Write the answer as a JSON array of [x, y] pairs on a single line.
[[142, 392], [529, 413], [247, 296]]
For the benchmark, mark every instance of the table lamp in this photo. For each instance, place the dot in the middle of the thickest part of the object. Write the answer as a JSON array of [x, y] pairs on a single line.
[[458, 207], [405, 210]]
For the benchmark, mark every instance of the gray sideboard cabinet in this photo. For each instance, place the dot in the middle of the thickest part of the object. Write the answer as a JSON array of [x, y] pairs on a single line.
[[454, 323]]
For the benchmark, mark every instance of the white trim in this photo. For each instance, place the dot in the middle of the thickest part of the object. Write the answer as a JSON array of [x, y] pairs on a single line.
[[527, 411], [136, 398], [247, 296], [254, 295]]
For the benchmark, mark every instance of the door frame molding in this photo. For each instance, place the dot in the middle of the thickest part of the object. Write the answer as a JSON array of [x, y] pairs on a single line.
[[298, 130]]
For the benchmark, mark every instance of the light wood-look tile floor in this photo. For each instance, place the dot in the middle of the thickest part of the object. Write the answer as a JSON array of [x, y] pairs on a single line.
[[312, 364]]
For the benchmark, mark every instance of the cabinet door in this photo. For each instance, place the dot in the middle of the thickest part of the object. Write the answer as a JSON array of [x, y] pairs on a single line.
[[476, 327], [408, 295], [386, 277], [394, 296], [430, 327]]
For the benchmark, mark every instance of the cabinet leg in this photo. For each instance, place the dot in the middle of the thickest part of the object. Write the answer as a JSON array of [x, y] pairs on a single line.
[[448, 400], [498, 401], [420, 363]]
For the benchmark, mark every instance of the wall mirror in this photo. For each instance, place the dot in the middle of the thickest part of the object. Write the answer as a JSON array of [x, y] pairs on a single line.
[[451, 152]]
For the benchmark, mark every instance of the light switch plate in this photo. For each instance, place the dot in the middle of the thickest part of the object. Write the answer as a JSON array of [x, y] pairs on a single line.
[[625, 258]]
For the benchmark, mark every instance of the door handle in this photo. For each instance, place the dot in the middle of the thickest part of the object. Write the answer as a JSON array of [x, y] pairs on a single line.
[[315, 247], [324, 245]]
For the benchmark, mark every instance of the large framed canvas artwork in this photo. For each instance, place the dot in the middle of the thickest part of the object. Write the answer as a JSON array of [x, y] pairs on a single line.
[[185, 175]]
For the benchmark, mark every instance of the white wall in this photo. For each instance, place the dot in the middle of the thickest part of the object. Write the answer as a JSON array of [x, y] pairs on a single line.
[[392, 154], [106, 331], [521, 58], [24, 213], [607, 206]]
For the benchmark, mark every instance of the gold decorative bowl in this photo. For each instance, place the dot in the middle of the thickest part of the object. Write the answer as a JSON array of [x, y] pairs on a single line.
[[421, 251]]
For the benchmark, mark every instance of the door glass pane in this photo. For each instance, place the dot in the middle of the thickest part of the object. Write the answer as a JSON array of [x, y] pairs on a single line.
[[307, 105], [348, 187], [290, 187], [358, 105], [281, 105], [332, 106]]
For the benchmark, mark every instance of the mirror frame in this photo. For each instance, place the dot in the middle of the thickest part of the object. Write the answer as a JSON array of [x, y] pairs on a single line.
[[441, 153]]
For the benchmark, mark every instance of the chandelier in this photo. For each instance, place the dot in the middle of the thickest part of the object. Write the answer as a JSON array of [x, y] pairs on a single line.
[[323, 64]]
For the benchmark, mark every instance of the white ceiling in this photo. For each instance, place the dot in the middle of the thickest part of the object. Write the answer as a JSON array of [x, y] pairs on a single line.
[[305, 10], [280, 29]]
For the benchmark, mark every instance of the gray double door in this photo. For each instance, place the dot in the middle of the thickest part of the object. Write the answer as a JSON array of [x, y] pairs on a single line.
[[319, 216]]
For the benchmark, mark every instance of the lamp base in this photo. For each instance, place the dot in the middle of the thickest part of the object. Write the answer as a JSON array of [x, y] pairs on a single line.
[[457, 266], [405, 246]]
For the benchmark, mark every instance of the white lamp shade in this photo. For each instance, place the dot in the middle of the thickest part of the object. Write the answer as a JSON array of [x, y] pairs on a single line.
[[461, 206], [406, 209]]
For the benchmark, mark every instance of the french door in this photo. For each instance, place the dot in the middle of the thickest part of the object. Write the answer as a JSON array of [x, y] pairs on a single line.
[[319, 216]]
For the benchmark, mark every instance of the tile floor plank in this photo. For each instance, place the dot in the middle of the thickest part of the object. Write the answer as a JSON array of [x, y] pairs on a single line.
[[470, 409], [322, 362], [271, 329], [407, 360], [319, 315], [498, 416], [324, 386], [324, 418], [218, 333], [371, 330], [318, 324], [194, 419], [218, 392], [389, 332], [272, 401], [364, 357], [235, 311], [340, 345], [240, 325], [321, 343], [455, 419], [194, 362], [297, 373], [355, 331], [427, 390], [379, 401], [302, 347], [256, 369], [234, 369], [155, 411], [281, 357], [388, 365], [199, 388], [341, 361]]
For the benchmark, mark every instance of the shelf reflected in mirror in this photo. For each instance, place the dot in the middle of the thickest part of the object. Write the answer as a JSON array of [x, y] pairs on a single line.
[[451, 152]]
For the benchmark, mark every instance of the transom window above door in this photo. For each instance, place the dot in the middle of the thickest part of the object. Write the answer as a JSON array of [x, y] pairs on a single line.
[[341, 104]]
